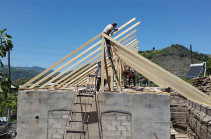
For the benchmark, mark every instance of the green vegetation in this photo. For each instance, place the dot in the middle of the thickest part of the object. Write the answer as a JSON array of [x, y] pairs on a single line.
[[209, 66], [175, 54], [8, 100], [150, 53]]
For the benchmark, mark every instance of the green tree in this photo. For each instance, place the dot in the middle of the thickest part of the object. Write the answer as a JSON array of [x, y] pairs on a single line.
[[209, 66], [5, 46]]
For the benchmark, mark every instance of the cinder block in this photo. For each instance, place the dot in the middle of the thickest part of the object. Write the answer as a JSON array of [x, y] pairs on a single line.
[[121, 128], [126, 123], [50, 135], [52, 121], [198, 106], [106, 123], [57, 136], [115, 122], [120, 117], [57, 125], [126, 134], [105, 117], [62, 121], [209, 111], [57, 115], [65, 116], [203, 132], [204, 109], [111, 128], [198, 128], [60, 131]]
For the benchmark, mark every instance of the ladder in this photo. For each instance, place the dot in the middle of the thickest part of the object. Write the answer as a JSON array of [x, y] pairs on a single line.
[[114, 71], [78, 118], [89, 86]]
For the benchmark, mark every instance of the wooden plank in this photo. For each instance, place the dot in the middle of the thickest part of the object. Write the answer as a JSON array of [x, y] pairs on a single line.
[[68, 69], [128, 35], [63, 66], [109, 88], [161, 74], [133, 43], [98, 60], [126, 24], [60, 61], [130, 28], [124, 55], [158, 76], [67, 81], [76, 77], [129, 39], [82, 79], [64, 79], [102, 63], [112, 79], [81, 75], [135, 30]]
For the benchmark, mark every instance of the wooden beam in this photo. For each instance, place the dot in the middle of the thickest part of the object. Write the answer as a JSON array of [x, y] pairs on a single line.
[[126, 24], [71, 54], [128, 35], [130, 28], [112, 79], [129, 39], [138, 62], [109, 88], [81, 75], [102, 63], [68, 69], [60, 61], [63, 66], [132, 43], [66, 82], [64, 79]]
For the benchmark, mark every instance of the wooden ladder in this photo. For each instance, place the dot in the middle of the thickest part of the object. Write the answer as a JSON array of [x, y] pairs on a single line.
[[77, 123]]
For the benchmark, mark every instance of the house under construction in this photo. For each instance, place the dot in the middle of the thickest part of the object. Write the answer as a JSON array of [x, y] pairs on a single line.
[[63, 104]]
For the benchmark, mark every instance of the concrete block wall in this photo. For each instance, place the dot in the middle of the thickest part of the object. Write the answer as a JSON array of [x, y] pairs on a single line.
[[178, 111], [57, 122], [137, 115], [199, 121], [116, 125]]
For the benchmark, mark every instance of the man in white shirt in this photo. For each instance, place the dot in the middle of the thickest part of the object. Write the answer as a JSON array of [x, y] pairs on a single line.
[[108, 29], [98, 75]]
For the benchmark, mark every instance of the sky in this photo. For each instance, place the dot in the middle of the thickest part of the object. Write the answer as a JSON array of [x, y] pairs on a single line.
[[44, 31]]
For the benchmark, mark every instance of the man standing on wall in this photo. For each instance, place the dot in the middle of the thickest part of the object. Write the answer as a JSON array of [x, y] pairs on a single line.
[[108, 29], [132, 76], [98, 75]]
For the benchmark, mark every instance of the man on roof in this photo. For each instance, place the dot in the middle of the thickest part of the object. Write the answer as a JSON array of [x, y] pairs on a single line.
[[108, 29]]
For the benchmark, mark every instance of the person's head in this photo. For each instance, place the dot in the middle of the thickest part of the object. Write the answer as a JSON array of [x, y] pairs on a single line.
[[99, 63], [114, 24]]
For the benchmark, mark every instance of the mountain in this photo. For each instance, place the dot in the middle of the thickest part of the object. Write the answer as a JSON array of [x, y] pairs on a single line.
[[34, 68], [22, 72], [175, 58]]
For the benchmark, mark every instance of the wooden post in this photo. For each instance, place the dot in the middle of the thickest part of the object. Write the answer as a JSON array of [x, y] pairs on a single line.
[[109, 88], [102, 64], [112, 80]]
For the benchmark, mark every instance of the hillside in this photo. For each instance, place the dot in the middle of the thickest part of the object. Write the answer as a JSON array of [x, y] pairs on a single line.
[[22, 72], [175, 58]]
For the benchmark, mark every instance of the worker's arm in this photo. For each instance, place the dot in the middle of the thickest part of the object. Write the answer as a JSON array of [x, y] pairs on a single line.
[[114, 31], [108, 32]]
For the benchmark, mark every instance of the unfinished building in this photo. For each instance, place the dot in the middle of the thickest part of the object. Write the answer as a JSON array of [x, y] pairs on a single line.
[[64, 103]]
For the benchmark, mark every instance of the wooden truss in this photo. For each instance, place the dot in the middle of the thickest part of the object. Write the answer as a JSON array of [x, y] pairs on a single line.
[[74, 68]]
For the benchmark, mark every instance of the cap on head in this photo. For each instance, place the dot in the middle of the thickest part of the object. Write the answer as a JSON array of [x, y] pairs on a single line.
[[114, 24]]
